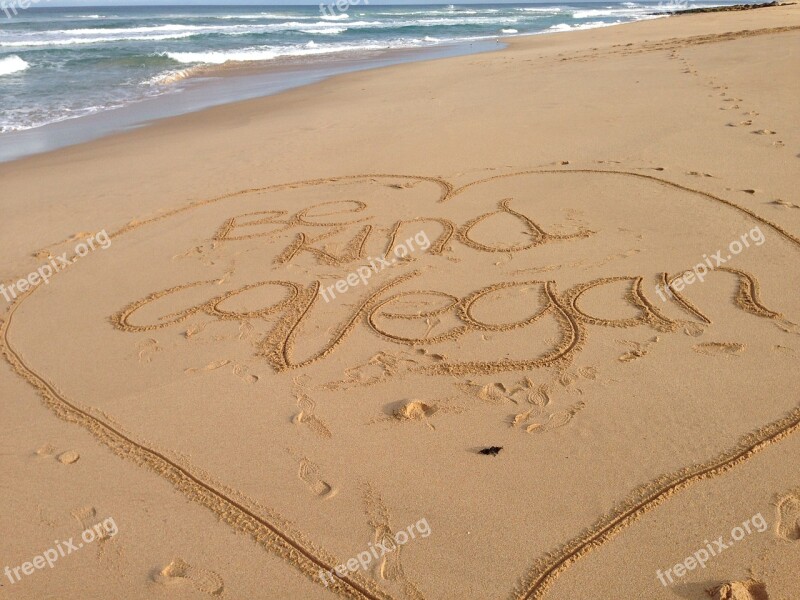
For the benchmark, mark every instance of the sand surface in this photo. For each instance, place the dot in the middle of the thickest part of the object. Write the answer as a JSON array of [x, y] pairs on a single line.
[[504, 220]]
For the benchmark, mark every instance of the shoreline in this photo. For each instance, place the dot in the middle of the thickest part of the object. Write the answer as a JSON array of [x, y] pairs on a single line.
[[211, 87], [71, 133]]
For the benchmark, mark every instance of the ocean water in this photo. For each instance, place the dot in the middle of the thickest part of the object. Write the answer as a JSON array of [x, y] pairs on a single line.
[[63, 64]]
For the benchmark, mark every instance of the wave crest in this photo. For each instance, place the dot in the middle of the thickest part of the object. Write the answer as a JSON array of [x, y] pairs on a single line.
[[12, 64]]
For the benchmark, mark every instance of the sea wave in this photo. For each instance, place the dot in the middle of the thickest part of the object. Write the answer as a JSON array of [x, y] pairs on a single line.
[[103, 35], [611, 12], [264, 15], [267, 53], [12, 64], [173, 76], [590, 25], [100, 35], [97, 40], [324, 30], [540, 9], [339, 17]]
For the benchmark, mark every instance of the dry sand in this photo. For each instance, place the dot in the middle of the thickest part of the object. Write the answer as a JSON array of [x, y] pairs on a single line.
[[190, 383]]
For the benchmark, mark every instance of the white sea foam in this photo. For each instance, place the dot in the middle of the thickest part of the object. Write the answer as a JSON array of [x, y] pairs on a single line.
[[98, 40], [264, 15], [267, 53], [70, 37], [611, 12], [12, 64], [171, 31], [540, 9], [169, 77], [324, 30], [590, 25], [509, 31]]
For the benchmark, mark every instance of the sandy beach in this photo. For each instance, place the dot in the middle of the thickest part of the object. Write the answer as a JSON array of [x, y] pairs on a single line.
[[515, 325]]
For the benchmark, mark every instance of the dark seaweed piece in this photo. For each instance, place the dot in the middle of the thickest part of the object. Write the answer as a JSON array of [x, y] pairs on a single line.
[[491, 450]]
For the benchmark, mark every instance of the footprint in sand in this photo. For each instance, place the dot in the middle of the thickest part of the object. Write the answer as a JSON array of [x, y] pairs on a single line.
[[414, 410], [148, 349], [203, 580], [212, 366], [740, 590], [765, 132], [309, 474], [247, 332], [788, 522], [693, 329], [69, 457], [417, 411], [491, 393], [784, 203], [522, 417], [719, 348], [240, 371], [65, 458], [86, 515], [193, 330], [45, 451], [307, 416], [556, 420], [639, 349]]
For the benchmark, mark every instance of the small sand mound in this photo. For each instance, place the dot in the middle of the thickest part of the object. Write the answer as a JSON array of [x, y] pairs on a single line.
[[414, 410], [177, 569], [740, 590]]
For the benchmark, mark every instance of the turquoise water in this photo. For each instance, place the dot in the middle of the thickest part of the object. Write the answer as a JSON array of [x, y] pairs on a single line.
[[61, 64]]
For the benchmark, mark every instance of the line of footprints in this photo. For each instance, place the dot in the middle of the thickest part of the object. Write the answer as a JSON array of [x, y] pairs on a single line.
[[728, 102]]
